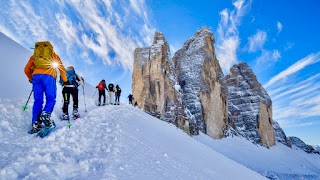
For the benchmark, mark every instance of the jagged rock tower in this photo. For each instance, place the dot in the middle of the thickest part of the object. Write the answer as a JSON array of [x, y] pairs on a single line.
[[250, 106], [189, 90], [154, 84], [203, 86]]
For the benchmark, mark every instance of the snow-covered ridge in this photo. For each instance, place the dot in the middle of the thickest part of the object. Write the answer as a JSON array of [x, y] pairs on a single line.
[[305, 147]]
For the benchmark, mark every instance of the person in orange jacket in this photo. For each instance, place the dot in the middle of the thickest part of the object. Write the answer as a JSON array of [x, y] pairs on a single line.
[[44, 82]]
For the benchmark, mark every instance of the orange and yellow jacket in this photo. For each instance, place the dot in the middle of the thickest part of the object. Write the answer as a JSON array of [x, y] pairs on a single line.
[[30, 70]]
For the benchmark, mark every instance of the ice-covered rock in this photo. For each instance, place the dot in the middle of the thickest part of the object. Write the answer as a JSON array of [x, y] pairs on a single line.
[[250, 105]]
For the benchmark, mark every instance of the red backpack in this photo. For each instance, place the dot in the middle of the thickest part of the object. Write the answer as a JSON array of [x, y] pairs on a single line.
[[101, 86]]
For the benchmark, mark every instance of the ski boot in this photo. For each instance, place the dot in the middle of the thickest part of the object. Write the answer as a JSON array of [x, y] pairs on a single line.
[[45, 118], [75, 114], [65, 117], [36, 127]]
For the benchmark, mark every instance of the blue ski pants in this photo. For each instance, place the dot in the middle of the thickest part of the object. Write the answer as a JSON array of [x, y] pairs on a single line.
[[43, 84]]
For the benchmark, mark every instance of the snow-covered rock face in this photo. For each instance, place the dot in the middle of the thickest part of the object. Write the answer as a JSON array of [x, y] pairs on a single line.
[[250, 106], [154, 86], [188, 90], [280, 135], [300, 144], [203, 85]]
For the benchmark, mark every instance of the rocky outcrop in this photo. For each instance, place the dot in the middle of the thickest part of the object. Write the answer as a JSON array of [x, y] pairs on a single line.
[[188, 90], [154, 85], [300, 144], [280, 135], [250, 106], [191, 91], [203, 88]]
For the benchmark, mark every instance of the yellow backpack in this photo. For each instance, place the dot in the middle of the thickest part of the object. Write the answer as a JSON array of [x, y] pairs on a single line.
[[42, 55]]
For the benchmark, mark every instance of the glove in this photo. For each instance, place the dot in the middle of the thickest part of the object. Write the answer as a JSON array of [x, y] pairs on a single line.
[[30, 81]]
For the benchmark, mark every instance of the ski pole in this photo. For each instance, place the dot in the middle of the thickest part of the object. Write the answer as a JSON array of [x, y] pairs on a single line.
[[94, 93], [25, 106], [84, 99]]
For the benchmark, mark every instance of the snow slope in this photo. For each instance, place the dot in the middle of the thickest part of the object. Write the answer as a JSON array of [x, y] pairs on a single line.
[[277, 162], [13, 58], [110, 142]]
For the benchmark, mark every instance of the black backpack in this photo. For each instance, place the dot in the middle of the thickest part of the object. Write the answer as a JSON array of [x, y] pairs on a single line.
[[110, 87], [118, 90]]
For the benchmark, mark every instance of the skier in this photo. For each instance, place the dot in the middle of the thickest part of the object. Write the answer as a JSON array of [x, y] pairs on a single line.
[[118, 93], [130, 99], [111, 93], [71, 88], [101, 87], [41, 71]]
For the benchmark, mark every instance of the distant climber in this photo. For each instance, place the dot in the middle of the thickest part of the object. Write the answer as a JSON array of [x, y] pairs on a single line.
[[111, 93], [130, 98], [41, 71], [101, 87], [118, 93]]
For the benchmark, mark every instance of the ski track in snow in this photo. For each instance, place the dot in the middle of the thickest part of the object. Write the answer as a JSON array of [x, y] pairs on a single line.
[[107, 142]]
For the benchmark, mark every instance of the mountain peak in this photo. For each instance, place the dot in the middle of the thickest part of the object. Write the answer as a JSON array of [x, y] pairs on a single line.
[[203, 31], [159, 38]]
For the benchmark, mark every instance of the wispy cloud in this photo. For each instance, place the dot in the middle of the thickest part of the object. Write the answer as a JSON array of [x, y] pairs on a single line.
[[256, 41], [269, 56], [296, 102], [279, 26], [228, 40], [110, 33], [309, 60]]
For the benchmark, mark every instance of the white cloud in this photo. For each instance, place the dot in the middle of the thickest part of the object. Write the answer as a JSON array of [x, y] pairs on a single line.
[[279, 26], [68, 31], [288, 46], [311, 59], [257, 41], [269, 56], [80, 26], [296, 102], [228, 40]]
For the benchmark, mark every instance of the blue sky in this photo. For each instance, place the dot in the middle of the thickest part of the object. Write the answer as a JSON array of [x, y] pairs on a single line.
[[278, 39]]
